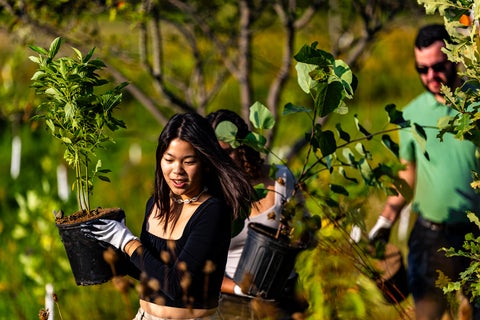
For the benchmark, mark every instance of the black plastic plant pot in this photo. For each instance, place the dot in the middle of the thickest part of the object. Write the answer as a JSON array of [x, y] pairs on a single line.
[[266, 262], [86, 256]]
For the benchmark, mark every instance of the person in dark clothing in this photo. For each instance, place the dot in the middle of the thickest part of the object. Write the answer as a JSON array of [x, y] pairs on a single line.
[[182, 249]]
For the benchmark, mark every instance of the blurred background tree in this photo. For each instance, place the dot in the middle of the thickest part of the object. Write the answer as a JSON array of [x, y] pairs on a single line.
[[177, 56]]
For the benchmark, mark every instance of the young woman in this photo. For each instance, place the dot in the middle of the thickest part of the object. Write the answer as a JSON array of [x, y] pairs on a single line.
[[185, 236], [266, 211]]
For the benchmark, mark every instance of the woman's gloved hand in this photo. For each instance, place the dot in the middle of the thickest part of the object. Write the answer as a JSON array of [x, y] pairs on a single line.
[[381, 230], [110, 231]]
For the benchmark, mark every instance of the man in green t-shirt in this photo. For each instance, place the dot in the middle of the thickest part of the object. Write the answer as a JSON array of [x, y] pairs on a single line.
[[440, 173]]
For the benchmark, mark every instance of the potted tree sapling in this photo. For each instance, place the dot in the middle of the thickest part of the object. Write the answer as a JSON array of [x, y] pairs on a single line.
[[269, 255], [80, 116]]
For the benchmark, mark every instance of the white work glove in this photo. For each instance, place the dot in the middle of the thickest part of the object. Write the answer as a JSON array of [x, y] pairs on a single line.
[[110, 231], [381, 230], [238, 291]]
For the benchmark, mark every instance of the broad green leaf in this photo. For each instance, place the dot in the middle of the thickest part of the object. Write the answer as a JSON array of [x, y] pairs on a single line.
[[312, 55], [325, 141], [331, 100], [348, 80], [256, 141], [304, 79], [226, 131], [260, 117]]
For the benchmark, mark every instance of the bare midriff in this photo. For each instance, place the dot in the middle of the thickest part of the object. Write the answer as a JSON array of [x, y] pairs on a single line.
[[173, 312]]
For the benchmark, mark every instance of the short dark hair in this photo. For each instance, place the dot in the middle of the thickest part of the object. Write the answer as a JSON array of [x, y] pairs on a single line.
[[429, 34]]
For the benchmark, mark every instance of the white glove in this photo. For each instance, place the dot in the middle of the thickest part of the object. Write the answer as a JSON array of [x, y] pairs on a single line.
[[238, 291], [110, 231], [381, 230]]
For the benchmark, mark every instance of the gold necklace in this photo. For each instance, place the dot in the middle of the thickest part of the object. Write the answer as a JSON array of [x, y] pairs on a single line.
[[193, 199]]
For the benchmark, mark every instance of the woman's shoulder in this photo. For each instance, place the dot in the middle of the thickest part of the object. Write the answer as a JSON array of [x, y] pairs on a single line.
[[214, 205], [212, 212]]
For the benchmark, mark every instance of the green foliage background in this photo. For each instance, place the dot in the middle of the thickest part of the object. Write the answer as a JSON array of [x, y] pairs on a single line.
[[32, 254]]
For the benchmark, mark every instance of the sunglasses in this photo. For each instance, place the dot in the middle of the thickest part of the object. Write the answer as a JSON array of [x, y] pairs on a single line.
[[437, 67]]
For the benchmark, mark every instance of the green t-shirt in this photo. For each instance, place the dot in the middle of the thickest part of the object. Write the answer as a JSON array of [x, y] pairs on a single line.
[[442, 190]]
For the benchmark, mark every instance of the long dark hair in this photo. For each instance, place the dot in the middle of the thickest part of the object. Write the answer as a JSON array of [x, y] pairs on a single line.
[[220, 176], [251, 160]]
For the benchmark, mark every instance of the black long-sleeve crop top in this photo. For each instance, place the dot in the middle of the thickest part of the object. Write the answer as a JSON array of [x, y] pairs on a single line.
[[187, 272]]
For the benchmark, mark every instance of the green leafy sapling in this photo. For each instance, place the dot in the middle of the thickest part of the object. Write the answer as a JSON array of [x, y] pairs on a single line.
[[329, 82], [76, 112]]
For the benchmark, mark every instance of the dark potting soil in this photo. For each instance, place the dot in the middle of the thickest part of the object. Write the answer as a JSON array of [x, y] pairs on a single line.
[[82, 216]]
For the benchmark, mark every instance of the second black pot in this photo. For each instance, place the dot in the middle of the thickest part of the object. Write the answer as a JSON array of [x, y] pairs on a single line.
[[266, 263]]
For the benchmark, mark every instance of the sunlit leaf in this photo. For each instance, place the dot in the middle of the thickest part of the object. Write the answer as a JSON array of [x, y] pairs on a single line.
[[261, 117]]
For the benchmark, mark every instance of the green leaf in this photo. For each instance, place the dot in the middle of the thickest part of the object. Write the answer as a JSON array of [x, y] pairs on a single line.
[[395, 116], [343, 135], [325, 140], [103, 178], [420, 131], [260, 117], [54, 48], [342, 171], [331, 100], [345, 74], [39, 50], [256, 141], [226, 131], [360, 128], [338, 189], [312, 55], [292, 108], [66, 140], [304, 79], [390, 144], [261, 191], [89, 55], [421, 138]]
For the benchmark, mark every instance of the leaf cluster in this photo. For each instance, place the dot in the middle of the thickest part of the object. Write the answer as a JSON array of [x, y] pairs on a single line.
[[329, 82], [75, 111], [461, 18]]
